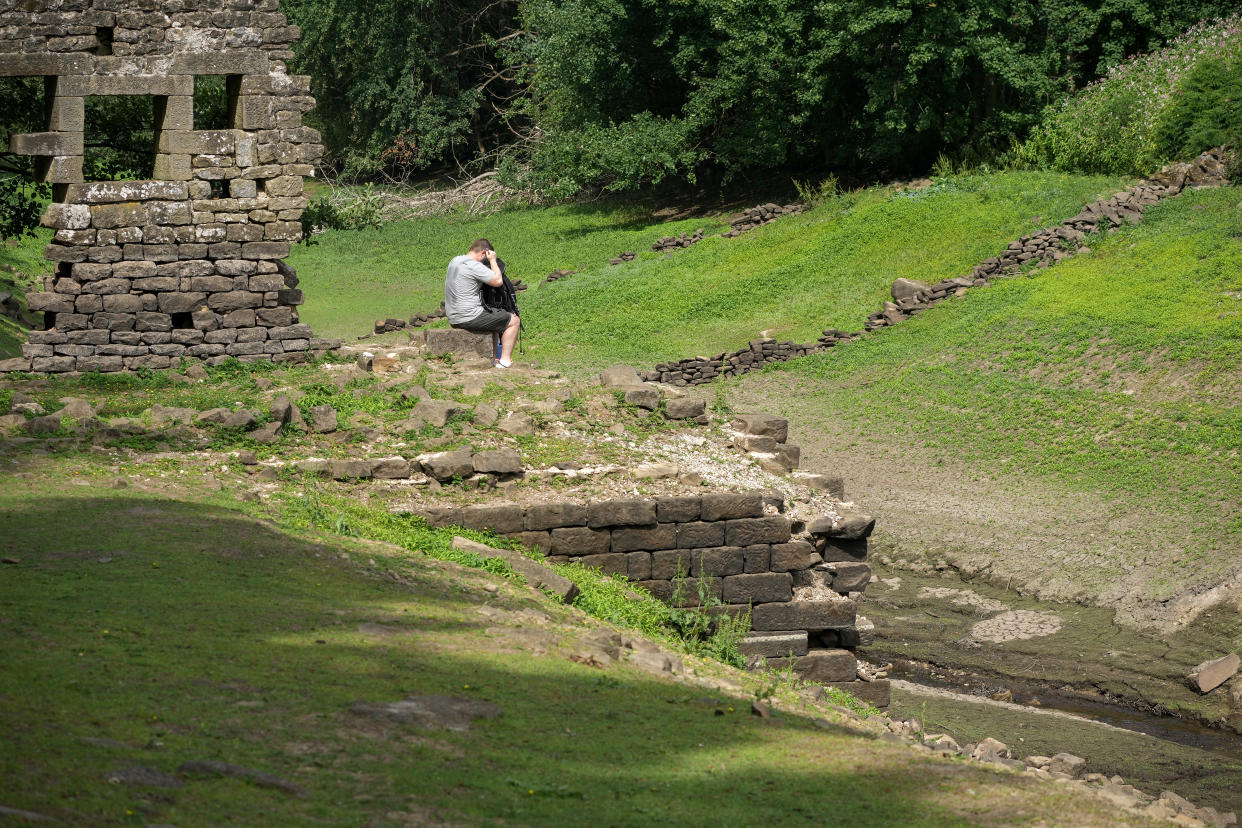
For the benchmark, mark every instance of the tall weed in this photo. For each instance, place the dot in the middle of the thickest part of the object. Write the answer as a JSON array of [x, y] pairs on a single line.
[[1115, 125]]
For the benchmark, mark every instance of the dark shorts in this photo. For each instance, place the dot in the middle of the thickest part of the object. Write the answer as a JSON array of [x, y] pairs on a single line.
[[489, 321]]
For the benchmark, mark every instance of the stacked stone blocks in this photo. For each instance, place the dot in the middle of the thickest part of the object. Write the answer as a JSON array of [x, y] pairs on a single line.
[[188, 264], [800, 583]]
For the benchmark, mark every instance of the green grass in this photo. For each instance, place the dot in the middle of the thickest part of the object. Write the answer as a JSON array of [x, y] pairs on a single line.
[[1116, 371], [352, 278], [829, 267], [186, 631], [21, 260]]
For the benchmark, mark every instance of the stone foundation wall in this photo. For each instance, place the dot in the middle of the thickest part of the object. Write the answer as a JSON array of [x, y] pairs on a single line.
[[189, 263], [799, 581]]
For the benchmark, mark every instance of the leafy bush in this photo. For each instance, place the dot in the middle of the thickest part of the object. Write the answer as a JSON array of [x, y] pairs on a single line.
[[1206, 110], [21, 204], [1154, 106], [343, 210]]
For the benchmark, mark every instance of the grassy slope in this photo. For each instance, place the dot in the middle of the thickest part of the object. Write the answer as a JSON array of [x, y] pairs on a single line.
[[828, 267], [353, 278], [189, 631], [25, 257], [1115, 372]]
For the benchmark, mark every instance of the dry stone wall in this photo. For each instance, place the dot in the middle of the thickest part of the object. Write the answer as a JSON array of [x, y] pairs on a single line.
[[909, 297], [800, 581], [189, 263]]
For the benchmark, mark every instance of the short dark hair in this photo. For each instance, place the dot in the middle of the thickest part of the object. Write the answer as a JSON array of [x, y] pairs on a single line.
[[480, 245]]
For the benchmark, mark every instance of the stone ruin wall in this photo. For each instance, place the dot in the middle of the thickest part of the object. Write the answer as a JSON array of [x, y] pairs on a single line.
[[800, 581], [188, 264]]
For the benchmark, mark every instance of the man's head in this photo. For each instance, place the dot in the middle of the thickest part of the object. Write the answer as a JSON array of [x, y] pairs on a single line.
[[478, 250]]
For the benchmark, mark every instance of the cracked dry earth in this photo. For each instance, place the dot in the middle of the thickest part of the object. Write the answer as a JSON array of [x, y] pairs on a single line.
[[1053, 542]]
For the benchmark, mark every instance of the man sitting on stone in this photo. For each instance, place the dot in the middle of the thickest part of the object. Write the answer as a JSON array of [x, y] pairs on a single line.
[[463, 298]]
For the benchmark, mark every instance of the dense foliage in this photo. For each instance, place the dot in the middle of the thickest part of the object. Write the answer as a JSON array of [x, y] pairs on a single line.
[[1170, 103], [402, 85], [611, 94]]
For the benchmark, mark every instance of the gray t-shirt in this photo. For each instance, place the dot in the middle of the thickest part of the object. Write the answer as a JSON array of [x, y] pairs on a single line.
[[463, 289]]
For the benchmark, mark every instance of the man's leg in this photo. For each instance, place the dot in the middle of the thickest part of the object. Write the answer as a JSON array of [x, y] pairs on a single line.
[[509, 337]]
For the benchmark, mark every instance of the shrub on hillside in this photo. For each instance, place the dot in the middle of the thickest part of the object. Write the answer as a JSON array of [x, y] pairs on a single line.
[[1206, 110], [1153, 107]]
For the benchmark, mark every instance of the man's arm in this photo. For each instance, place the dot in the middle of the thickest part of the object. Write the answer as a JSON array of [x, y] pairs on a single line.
[[497, 280]]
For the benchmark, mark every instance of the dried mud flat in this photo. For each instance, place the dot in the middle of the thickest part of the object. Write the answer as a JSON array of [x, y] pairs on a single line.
[[1018, 581], [937, 513]]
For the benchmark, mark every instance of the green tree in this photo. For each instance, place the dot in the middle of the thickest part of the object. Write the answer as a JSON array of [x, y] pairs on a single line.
[[406, 85]]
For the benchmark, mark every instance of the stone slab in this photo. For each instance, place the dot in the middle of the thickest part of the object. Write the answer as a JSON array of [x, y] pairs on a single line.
[[457, 342], [803, 615], [534, 572], [774, 644]]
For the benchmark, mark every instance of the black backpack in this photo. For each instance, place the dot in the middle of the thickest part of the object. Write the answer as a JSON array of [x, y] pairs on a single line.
[[503, 297]]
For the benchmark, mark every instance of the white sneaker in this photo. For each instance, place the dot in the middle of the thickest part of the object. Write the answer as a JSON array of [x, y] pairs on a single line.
[[500, 363]]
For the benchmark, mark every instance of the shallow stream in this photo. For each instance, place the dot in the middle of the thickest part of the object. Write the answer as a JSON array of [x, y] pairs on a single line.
[[1068, 678]]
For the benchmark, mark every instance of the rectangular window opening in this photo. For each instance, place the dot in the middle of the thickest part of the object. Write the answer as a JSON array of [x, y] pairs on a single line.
[[218, 188], [182, 321], [215, 101], [103, 40], [119, 139]]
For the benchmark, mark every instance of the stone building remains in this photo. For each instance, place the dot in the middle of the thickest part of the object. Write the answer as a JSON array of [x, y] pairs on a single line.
[[189, 263]]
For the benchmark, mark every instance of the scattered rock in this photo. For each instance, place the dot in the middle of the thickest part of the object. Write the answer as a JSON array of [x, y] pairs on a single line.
[[208, 768], [242, 418], [908, 289], [323, 419], [446, 465], [1066, 763], [438, 412], [620, 376], [162, 415], [990, 750], [47, 424], [214, 416], [655, 471], [686, 408], [499, 461], [536, 574], [943, 742], [1212, 674], [643, 396], [76, 408], [283, 411], [432, 712], [390, 468], [485, 415], [145, 776], [517, 424]]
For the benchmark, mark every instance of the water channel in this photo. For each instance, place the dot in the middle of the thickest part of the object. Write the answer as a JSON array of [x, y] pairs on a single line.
[[1079, 685]]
